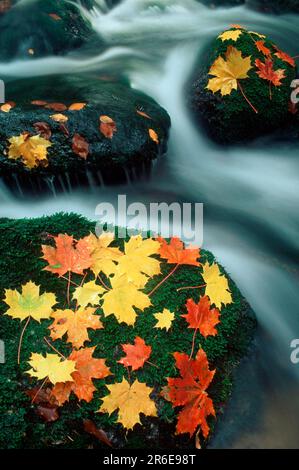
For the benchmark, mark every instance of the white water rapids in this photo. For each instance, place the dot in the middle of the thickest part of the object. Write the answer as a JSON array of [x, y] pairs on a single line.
[[250, 194]]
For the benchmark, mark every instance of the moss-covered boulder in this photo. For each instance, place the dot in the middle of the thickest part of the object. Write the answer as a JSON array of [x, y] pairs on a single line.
[[275, 6], [253, 105], [27, 424], [38, 28], [135, 133]]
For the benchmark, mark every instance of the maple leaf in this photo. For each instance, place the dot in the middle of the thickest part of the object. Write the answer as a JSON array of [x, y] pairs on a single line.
[[228, 71], [189, 391], [201, 316], [107, 126], [154, 136], [91, 428], [75, 324], [29, 303], [175, 253], [77, 106], [266, 72], [80, 146], [32, 150], [262, 48], [87, 368], [66, 257], [164, 318], [121, 299], [136, 354], [216, 285], [137, 262], [47, 406], [285, 57], [130, 401], [232, 35], [88, 294], [103, 256], [55, 368]]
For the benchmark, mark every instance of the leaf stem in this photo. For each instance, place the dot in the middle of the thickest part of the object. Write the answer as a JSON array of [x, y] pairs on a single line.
[[54, 349], [164, 279], [33, 399], [193, 344], [249, 102], [21, 339], [190, 287], [103, 283], [71, 282], [152, 364], [68, 289]]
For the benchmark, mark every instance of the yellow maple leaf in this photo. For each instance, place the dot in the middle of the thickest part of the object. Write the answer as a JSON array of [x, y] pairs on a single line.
[[87, 294], [130, 401], [228, 71], [137, 263], [33, 150], [216, 285], [75, 324], [164, 318], [52, 366], [262, 36], [121, 299], [232, 34], [102, 254], [29, 303], [59, 117]]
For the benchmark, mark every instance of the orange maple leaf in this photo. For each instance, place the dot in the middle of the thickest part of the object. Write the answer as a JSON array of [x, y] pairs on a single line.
[[87, 368], [189, 391], [80, 146], [66, 257], [201, 316], [74, 324], [262, 48], [107, 126], [285, 57], [266, 71], [175, 252], [136, 354]]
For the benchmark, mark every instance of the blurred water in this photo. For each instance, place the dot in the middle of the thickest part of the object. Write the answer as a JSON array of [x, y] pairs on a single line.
[[250, 193]]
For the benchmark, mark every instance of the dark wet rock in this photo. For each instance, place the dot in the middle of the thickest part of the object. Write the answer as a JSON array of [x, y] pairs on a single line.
[[222, 3], [39, 28], [275, 6], [229, 118], [130, 149]]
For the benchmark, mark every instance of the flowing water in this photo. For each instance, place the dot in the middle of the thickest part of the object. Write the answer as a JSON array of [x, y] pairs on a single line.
[[250, 194]]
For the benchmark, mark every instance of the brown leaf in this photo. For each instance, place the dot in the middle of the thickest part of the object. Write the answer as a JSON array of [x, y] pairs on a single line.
[[292, 108], [107, 126], [56, 106], [77, 106], [153, 135], [64, 129], [43, 129], [47, 404], [143, 114], [90, 428], [80, 146], [39, 103], [48, 413], [55, 17]]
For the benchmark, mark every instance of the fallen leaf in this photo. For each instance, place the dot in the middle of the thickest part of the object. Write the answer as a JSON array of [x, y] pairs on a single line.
[[32, 150], [87, 368], [232, 35], [136, 354], [107, 126], [200, 316], [56, 106], [90, 428], [262, 48], [216, 285], [262, 36], [55, 17], [143, 114], [130, 401], [164, 318], [53, 367], [66, 256], [285, 57], [31, 51], [103, 256], [29, 303], [189, 391], [43, 129], [77, 106], [6, 107], [59, 117], [228, 71], [75, 325], [266, 72], [154, 136], [175, 253], [88, 294], [64, 129], [80, 146], [39, 103]]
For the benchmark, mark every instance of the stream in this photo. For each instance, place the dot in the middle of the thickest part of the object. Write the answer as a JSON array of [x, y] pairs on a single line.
[[250, 193]]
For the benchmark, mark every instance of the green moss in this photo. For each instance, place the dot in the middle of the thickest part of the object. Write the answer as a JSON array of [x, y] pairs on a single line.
[[20, 427], [230, 118]]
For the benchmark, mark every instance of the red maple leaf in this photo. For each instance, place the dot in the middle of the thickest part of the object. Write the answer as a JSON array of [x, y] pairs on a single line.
[[200, 316], [266, 71], [175, 252], [189, 391], [80, 146], [285, 57], [65, 256], [136, 354], [262, 48]]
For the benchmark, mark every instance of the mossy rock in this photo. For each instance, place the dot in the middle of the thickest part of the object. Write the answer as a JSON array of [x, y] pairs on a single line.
[[131, 146], [40, 28], [275, 6], [230, 118], [20, 427]]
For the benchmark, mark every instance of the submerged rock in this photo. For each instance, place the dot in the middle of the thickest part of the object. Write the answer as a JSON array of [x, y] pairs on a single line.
[[112, 129], [232, 109], [40, 28]]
